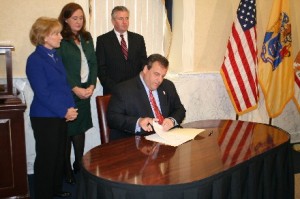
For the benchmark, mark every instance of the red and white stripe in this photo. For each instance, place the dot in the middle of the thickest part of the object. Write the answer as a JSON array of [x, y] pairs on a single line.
[[235, 142], [239, 68], [297, 85]]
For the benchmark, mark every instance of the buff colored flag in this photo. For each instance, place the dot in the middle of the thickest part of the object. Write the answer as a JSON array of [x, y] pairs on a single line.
[[275, 66], [297, 81]]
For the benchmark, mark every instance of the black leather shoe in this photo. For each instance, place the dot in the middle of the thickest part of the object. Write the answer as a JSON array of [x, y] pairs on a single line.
[[63, 194]]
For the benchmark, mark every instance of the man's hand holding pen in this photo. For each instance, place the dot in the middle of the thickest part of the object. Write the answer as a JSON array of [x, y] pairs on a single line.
[[147, 124]]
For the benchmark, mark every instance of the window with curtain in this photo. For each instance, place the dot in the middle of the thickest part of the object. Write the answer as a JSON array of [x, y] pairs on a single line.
[[147, 17]]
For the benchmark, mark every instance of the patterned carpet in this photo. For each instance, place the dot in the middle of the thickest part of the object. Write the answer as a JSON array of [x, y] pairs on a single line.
[[297, 186], [296, 147]]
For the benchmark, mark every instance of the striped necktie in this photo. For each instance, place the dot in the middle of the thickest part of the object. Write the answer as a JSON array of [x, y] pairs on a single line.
[[124, 47], [155, 108]]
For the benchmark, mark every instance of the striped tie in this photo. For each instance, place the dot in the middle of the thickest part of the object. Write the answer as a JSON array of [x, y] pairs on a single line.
[[158, 115], [124, 47]]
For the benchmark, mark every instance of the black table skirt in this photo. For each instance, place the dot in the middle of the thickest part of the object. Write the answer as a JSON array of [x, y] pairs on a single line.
[[267, 176]]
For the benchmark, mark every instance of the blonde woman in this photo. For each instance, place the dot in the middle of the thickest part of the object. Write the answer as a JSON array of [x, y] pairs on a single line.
[[52, 107]]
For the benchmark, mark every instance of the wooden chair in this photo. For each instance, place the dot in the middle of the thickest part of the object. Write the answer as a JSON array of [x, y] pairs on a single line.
[[102, 103]]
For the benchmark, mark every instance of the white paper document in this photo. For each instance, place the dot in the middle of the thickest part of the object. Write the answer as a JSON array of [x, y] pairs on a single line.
[[173, 137]]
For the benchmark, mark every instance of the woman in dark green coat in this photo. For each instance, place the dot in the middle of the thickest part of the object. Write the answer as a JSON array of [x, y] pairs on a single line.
[[78, 55]]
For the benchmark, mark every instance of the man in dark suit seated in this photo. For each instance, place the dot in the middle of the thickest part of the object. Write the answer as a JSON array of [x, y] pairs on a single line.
[[121, 54], [137, 103]]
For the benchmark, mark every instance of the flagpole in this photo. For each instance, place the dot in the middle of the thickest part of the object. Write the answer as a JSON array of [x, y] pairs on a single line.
[[236, 117]]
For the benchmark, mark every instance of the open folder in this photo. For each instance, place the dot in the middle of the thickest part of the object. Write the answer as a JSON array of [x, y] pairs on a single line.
[[173, 137]]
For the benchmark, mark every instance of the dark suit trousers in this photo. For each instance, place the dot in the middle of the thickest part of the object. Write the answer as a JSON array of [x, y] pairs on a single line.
[[50, 139]]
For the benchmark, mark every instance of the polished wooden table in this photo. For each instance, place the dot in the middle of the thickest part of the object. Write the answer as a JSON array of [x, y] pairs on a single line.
[[230, 159]]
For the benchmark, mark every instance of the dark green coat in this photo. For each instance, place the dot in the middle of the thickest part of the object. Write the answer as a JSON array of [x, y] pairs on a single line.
[[71, 57], [70, 54]]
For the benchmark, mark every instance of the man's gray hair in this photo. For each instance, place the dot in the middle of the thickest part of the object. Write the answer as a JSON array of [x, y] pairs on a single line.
[[117, 9]]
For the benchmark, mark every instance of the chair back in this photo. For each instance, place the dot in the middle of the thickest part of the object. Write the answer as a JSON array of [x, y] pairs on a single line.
[[102, 103]]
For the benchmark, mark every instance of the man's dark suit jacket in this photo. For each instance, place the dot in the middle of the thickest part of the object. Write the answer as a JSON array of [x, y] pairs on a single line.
[[130, 101], [113, 68]]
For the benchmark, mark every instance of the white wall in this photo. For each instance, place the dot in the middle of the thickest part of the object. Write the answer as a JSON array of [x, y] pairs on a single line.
[[200, 29], [16, 19]]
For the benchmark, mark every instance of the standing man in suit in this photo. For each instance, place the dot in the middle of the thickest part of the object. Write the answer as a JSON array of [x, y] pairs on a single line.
[[131, 111], [114, 63]]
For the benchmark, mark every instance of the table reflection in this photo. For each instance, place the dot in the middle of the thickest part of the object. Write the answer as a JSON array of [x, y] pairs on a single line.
[[239, 141], [156, 164]]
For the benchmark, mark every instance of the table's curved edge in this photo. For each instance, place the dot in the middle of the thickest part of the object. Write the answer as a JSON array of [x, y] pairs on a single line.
[[230, 170], [282, 150]]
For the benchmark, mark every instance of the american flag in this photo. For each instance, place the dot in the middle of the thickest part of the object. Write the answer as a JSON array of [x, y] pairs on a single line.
[[239, 67]]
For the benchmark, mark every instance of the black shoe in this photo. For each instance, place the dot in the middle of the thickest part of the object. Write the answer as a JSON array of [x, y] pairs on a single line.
[[63, 194]]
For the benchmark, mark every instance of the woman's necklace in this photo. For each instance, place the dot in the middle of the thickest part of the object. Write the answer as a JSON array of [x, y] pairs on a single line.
[[52, 56]]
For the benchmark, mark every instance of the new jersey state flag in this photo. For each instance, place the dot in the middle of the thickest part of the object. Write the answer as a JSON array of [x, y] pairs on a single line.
[[275, 66]]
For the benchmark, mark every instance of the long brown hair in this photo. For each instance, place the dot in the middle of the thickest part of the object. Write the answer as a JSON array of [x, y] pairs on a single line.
[[65, 14]]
